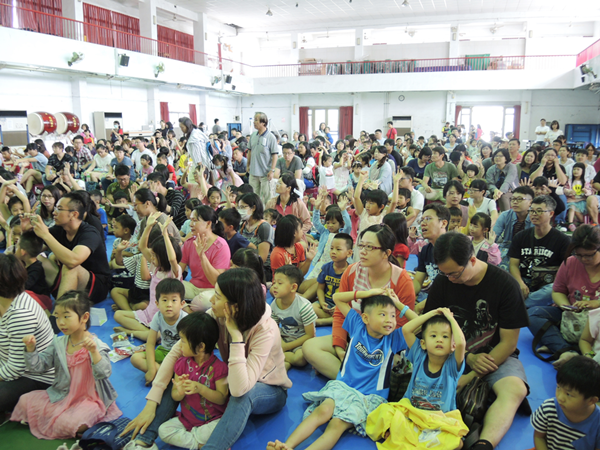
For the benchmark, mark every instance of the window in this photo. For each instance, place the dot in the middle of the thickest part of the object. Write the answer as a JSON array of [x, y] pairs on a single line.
[[329, 116]]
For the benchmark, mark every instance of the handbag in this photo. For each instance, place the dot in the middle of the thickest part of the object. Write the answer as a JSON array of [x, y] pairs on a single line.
[[472, 399], [105, 436], [541, 276], [572, 325], [400, 376]]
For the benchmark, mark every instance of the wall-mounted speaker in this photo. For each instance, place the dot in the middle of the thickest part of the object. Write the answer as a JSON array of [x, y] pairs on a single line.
[[228, 79], [124, 60]]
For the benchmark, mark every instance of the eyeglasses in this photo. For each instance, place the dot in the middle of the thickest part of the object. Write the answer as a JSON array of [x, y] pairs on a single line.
[[582, 257], [368, 247], [61, 210], [537, 212], [472, 191], [453, 275], [517, 199]]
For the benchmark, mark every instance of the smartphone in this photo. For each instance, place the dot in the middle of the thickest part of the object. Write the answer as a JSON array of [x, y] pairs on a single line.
[[569, 307]]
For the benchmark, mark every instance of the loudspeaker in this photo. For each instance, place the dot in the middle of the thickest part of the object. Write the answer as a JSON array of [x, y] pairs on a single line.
[[124, 60], [228, 79], [233, 88]]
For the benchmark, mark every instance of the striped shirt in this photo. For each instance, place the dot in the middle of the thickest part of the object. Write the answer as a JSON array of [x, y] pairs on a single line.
[[23, 317], [294, 318], [561, 433], [133, 265]]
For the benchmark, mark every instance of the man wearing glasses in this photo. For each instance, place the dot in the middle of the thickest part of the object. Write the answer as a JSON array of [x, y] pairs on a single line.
[[511, 222], [416, 198], [486, 303], [79, 255], [540, 246], [434, 223]]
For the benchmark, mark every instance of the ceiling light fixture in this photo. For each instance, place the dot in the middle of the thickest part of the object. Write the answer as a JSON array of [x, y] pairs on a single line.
[[405, 3], [269, 13]]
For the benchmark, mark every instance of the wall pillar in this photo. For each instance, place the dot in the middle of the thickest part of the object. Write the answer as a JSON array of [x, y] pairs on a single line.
[[453, 47], [294, 50], [153, 107], [359, 51], [450, 107], [148, 28], [294, 124], [526, 131], [200, 38], [78, 90], [72, 9]]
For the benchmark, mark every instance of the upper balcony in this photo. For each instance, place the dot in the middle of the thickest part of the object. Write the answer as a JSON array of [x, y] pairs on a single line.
[[35, 31]]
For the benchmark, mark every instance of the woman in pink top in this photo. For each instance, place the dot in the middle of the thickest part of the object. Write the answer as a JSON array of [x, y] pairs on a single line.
[[249, 343], [206, 254], [289, 201], [577, 284]]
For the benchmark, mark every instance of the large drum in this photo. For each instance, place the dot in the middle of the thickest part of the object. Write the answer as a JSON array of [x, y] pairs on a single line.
[[67, 123], [40, 123]]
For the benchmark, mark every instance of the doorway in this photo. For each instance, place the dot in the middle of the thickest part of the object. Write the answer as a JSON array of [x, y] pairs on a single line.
[[497, 119]]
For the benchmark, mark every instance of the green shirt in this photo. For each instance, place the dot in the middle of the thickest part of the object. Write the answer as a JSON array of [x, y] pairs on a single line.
[[439, 177]]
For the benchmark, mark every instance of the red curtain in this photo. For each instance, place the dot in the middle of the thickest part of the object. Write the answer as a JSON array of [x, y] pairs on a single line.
[[346, 113], [304, 121], [6, 15], [42, 23], [27, 19], [458, 110], [193, 117], [126, 24], [101, 17], [164, 111], [175, 44], [517, 121]]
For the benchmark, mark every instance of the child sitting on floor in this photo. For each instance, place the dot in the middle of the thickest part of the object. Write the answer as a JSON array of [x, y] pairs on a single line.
[[170, 298], [200, 384], [330, 277], [571, 419], [456, 218], [81, 395], [186, 230], [483, 237], [231, 218], [27, 251], [96, 197], [293, 313], [164, 255], [360, 386], [272, 217]]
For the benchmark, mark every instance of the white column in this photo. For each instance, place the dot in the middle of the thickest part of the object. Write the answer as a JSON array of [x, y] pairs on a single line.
[[294, 49], [526, 132], [203, 110], [148, 27], [78, 90], [294, 124], [357, 109], [73, 9], [359, 51], [200, 38], [453, 47], [597, 30], [153, 107], [450, 107]]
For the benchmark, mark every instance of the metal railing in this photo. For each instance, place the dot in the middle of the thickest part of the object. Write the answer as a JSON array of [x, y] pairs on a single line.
[[462, 64], [40, 22]]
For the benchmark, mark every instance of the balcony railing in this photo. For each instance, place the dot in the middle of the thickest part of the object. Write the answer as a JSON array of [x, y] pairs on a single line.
[[591, 52], [40, 22]]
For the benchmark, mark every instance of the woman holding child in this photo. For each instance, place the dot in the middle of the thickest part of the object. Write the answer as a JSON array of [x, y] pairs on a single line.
[[250, 343], [376, 270]]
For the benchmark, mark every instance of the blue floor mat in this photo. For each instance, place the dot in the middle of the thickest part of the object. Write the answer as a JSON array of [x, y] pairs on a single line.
[[129, 384]]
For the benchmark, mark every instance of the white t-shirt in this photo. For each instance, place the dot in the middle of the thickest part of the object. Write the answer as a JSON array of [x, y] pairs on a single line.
[[487, 206], [102, 163], [552, 135], [417, 201], [541, 137]]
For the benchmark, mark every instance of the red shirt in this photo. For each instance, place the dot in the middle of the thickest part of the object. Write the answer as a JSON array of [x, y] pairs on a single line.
[[171, 170], [279, 253], [392, 133]]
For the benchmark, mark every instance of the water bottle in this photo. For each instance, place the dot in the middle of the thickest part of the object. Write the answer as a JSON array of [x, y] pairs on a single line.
[[131, 341]]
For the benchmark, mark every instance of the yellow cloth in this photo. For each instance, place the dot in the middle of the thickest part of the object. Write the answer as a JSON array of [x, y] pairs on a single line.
[[412, 428]]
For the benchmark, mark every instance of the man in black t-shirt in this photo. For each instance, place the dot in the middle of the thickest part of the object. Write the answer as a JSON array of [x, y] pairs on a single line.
[[487, 304], [540, 246], [79, 255]]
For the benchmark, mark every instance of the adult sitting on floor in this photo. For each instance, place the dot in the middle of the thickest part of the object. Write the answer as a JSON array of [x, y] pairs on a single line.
[[20, 315], [78, 260], [486, 302], [577, 284], [541, 246], [123, 184]]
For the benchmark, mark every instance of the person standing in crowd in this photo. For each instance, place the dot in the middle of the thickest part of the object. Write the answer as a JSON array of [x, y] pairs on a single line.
[[262, 157]]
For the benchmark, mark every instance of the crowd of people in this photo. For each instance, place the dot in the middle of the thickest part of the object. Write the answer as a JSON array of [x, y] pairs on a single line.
[[209, 226]]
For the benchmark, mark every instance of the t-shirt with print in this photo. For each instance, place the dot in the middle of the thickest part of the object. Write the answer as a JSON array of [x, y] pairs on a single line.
[[532, 252], [561, 433], [439, 177], [481, 310], [133, 266], [293, 319], [331, 280], [368, 362], [432, 391], [168, 333], [217, 254], [195, 409], [426, 264], [573, 281], [59, 164]]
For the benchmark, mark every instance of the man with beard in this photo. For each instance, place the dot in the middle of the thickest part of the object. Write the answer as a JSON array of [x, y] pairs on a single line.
[[488, 306]]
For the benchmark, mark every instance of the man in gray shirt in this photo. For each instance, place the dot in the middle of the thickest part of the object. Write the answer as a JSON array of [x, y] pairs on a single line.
[[262, 157], [216, 127]]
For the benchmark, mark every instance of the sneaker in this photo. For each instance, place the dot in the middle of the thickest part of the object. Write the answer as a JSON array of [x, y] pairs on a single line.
[[561, 229], [133, 446], [572, 227]]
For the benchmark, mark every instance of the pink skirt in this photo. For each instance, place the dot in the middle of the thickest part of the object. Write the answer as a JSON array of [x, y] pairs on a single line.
[[82, 405]]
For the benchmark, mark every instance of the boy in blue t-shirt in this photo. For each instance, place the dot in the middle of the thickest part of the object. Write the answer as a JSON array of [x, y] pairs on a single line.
[[231, 218], [330, 277], [363, 381], [571, 420], [96, 197], [435, 372]]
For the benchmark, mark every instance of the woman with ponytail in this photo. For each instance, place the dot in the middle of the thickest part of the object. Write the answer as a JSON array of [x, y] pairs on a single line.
[[145, 204], [195, 142], [206, 254], [376, 271]]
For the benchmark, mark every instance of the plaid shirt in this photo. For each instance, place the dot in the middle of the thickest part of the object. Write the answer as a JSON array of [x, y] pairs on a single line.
[[84, 156]]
